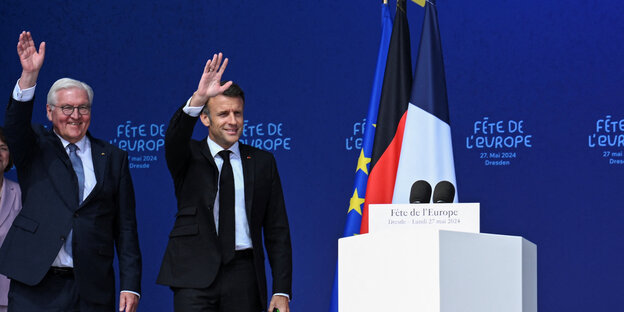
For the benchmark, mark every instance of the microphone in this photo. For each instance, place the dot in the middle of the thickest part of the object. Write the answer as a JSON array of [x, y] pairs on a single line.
[[444, 192], [420, 193]]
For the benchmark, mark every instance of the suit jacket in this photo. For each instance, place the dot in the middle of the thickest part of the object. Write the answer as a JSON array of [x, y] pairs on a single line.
[[193, 257], [10, 206], [104, 220]]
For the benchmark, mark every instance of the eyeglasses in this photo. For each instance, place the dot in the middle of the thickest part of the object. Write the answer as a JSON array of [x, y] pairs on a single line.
[[82, 109]]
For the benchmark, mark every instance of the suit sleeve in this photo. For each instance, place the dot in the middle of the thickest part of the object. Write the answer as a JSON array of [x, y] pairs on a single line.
[[177, 139], [277, 237], [127, 239], [18, 130]]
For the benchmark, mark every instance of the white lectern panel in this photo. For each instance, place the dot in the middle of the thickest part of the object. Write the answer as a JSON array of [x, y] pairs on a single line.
[[436, 271], [384, 272]]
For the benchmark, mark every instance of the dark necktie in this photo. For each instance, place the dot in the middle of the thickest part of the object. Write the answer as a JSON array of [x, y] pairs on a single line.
[[226, 208], [77, 164]]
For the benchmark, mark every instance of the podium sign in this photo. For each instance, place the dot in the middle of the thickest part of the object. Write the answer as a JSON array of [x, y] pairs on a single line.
[[463, 217]]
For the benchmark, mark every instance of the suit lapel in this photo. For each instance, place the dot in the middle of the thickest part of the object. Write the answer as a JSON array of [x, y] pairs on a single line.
[[65, 184], [100, 156], [205, 150], [248, 162]]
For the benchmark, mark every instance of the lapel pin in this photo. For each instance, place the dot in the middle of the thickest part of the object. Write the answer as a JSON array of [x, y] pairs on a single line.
[[248, 157], [103, 154]]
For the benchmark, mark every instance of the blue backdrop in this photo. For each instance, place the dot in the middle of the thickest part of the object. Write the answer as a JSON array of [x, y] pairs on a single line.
[[548, 75]]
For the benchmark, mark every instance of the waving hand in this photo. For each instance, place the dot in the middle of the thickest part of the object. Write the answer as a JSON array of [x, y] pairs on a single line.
[[210, 82], [30, 59]]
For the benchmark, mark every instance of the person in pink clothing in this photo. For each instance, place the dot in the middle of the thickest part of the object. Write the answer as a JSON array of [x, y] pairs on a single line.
[[10, 206]]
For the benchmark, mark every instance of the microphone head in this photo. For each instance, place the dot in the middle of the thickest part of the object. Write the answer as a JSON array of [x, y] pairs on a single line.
[[444, 192], [420, 193]]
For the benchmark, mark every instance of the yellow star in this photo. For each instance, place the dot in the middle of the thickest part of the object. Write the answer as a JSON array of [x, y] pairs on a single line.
[[355, 203], [420, 2], [362, 162]]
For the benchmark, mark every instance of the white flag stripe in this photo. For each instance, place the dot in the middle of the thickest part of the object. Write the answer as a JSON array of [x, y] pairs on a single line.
[[426, 153]]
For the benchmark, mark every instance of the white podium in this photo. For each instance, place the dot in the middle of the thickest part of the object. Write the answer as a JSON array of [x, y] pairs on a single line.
[[432, 270]]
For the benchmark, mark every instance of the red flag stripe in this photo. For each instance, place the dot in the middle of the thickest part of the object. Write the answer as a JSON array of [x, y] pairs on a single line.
[[380, 186]]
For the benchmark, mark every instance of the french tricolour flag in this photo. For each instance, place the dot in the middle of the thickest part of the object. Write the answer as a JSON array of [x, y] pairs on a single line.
[[427, 151]]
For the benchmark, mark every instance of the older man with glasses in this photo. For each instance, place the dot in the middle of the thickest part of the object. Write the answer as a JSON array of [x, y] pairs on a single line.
[[78, 203]]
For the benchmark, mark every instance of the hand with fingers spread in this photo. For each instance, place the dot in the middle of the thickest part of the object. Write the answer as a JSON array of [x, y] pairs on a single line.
[[210, 82], [30, 59]]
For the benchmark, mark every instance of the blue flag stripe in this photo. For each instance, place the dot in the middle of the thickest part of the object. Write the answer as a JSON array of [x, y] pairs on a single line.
[[429, 87]]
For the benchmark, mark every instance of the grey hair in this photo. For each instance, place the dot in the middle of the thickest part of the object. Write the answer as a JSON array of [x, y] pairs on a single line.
[[68, 83]]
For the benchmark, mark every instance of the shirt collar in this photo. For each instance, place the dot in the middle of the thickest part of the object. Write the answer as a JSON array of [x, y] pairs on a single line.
[[82, 144], [216, 148]]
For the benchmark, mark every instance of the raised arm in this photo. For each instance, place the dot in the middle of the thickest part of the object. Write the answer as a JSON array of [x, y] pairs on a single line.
[[210, 82], [17, 122], [30, 59]]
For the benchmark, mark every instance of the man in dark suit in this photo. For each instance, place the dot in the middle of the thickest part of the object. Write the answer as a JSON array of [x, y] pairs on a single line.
[[229, 196], [78, 203]]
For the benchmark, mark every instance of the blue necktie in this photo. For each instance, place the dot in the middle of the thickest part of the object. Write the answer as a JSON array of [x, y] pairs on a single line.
[[77, 164]]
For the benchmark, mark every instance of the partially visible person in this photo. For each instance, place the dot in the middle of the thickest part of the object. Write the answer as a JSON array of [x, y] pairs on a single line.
[[10, 205]]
